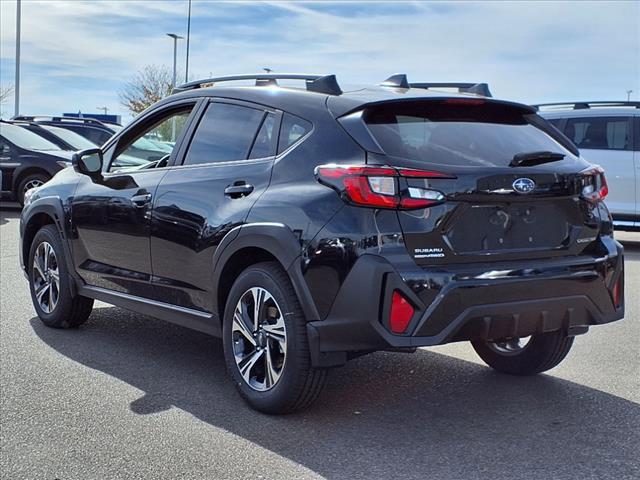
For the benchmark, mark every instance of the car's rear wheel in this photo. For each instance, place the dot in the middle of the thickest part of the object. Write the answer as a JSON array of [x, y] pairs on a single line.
[[525, 356], [30, 181], [50, 285], [265, 342]]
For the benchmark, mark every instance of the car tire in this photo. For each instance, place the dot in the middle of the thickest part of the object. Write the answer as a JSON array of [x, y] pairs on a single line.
[[280, 335], [542, 352], [30, 181], [50, 283]]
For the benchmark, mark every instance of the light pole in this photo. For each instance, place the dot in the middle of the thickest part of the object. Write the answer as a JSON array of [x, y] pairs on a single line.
[[629, 92], [16, 93], [175, 55], [173, 83], [104, 109], [186, 67]]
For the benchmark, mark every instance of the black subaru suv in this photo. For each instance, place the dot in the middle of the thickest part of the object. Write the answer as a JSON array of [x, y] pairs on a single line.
[[308, 226]]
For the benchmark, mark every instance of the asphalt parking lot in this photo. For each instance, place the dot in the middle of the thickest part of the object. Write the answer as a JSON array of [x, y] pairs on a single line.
[[127, 396]]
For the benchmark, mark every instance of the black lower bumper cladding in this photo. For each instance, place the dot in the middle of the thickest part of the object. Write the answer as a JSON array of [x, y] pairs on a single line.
[[500, 302]]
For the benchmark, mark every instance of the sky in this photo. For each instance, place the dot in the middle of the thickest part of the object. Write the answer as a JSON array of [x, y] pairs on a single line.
[[77, 55]]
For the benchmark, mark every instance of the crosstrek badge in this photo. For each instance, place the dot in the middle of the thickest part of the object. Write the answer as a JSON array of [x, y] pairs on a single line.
[[428, 253]]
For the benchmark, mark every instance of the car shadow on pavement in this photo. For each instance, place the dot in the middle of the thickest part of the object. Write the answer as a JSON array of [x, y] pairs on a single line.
[[631, 248], [9, 212], [386, 415]]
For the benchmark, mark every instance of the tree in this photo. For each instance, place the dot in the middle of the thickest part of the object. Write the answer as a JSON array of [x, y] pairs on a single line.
[[146, 87], [5, 93]]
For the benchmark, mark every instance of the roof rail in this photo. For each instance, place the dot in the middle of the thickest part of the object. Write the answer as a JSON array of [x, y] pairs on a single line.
[[314, 83], [586, 105], [481, 89], [47, 118]]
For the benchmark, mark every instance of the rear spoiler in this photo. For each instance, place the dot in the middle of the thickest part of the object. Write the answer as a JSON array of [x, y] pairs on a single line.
[[353, 120]]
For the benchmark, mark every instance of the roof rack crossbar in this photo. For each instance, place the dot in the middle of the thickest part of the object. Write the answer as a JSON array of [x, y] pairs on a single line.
[[315, 83], [399, 80], [587, 104], [463, 87]]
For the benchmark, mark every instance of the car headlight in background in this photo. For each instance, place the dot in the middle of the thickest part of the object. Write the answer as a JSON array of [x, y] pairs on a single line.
[[64, 164]]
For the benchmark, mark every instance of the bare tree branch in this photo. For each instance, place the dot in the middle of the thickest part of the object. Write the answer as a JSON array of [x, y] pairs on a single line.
[[5, 93], [145, 88]]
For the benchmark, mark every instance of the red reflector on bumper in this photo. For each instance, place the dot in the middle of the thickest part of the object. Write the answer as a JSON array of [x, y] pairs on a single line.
[[401, 313], [617, 293]]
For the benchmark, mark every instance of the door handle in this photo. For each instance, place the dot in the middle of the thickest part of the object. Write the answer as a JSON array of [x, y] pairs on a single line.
[[238, 191], [141, 200]]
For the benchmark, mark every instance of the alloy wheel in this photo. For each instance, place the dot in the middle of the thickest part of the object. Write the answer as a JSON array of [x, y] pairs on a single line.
[[32, 184], [259, 337], [46, 277], [510, 346]]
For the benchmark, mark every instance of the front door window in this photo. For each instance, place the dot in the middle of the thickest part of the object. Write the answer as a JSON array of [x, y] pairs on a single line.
[[152, 146]]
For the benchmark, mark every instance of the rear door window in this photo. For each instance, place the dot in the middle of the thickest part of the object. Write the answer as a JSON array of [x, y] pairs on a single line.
[[264, 145], [473, 134], [226, 132], [600, 133], [292, 130]]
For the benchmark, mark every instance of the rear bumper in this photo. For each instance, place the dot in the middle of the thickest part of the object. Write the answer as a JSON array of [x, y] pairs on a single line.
[[480, 302]]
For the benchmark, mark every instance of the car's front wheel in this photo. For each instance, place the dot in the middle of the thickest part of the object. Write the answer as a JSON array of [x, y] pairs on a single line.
[[525, 356], [265, 342], [50, 285]]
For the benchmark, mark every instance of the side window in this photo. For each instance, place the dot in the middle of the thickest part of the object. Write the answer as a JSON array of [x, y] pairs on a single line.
[[292, 130], [99, 137], [152, 145], [263, 144], [225, 133], [92, 134], [556, 122], [603, 133]]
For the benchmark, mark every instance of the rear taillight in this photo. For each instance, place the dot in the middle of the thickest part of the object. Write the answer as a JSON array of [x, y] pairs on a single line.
[[594, 184], [401, 313], [380, 187]]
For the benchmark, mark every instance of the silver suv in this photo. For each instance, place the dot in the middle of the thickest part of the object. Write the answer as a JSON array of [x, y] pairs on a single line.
[[607, 134]]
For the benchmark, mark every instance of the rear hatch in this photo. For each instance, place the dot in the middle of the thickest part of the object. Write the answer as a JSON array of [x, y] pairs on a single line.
[[513, 187]]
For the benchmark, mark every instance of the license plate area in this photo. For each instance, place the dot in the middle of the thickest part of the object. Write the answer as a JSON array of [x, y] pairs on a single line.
[[484, 229]]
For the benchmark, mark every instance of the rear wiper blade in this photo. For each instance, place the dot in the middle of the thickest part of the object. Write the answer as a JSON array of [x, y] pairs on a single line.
[[527, 159]]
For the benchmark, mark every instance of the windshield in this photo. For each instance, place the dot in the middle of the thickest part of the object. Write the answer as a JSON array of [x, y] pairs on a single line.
[[72, 138], [23, 138], [458, 134]]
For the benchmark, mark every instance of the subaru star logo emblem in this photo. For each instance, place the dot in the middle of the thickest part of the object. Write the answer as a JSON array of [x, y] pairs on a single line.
[[524, 185]]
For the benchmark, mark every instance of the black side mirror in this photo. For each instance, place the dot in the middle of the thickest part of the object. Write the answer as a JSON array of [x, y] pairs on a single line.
[[88, 162]]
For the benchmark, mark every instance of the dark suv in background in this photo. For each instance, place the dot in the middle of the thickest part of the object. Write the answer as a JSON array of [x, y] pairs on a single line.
[[28, 159], [308, 226], [93, 130]]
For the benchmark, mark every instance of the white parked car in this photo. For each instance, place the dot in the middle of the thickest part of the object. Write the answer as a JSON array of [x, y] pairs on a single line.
[[607, 134]]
